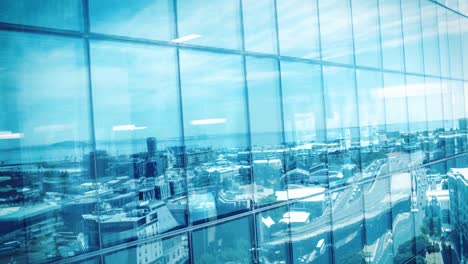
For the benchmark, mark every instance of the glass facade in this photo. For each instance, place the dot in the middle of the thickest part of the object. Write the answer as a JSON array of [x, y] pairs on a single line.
[[233, 131]]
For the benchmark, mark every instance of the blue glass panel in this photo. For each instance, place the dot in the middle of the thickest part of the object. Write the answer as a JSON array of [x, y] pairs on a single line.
[[216, 134], [336, 31], [435, 119], [430, 38], [417, 118], [454, 41], [301, 84], [348, 225], [44, 140], [259, 25], [168, 250], [229, 242], [209, 23], [48, 13], [132, 149], [139, 19], [304, 122], [397, 119], [412, 36], [273, 235], [311, 232], [464, 36], [391, 34], [343, 138], [266, 133], [402, 216], [443, 42], [378, 220], [298, 28], [372, 123], [366, 33]]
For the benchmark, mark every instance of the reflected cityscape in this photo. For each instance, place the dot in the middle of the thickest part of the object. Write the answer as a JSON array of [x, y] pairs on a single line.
[[239, 131]]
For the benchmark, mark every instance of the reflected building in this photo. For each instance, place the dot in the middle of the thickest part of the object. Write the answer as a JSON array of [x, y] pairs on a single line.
[[233, 131]]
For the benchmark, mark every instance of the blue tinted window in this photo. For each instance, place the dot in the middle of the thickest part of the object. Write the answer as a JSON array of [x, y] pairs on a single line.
[[342, 123], [216, 243], [216, 134], [454, 41], [44, 139], [209, 23], [301, 84], [298, 28], [48, 13], [266, 133], [391, 34], [430, 38], [443, 42], [259, 25], [140, 19], [412, 36], [366, 33], [335, 31]]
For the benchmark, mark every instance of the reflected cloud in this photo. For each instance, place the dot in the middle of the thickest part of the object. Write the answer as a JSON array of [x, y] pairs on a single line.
[[210, 121], [10, 135], [127, 127]]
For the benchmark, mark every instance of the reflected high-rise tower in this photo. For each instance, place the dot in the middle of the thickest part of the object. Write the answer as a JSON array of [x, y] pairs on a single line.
[[151, 146]]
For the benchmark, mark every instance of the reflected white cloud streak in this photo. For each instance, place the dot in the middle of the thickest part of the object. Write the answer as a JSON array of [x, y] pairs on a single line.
[[127, 128], [210, 121], [10, 135]]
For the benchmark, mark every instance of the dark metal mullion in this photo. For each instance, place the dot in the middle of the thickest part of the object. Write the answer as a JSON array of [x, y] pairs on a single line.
[[356, 95], [189, 233], [255, 243], [86, 30]]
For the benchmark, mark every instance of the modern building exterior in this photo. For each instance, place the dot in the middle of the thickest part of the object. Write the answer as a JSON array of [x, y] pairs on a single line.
[[233, 131]]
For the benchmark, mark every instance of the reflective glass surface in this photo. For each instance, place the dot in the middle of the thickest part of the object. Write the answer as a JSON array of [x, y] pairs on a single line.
[[236, 131]]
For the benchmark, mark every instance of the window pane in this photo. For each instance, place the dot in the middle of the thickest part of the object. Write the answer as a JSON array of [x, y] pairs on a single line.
[[391, 33], [402, 218], [372, 122], [464, 35], [210, 23], [215, 126], [453, 30], [168, 250], [215, 244], [298, 28], [266, 133], [397, 119], [259, 25], [140, 19], [366, 33], [132, 149], [348, 226], [311, 230], [430, 38], [459, 115], [377, 213], [412, 36], [45, 137], [342, 124], [417, 118], [443, 42], [273, 235], [336, 31], [48, 13], [304, 126], [435, 119], [301, 84]]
